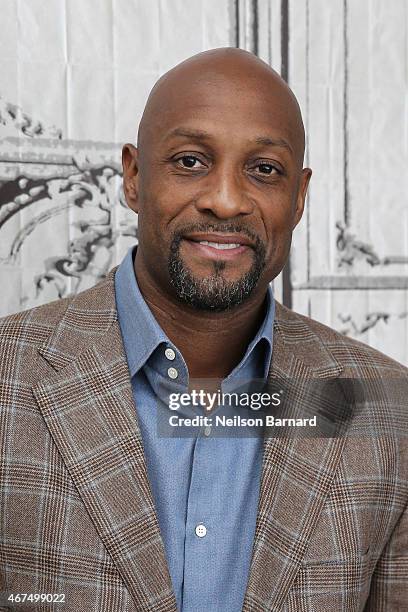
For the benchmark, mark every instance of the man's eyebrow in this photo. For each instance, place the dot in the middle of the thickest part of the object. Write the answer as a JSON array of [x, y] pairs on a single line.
[[189, 133], [274, 142]]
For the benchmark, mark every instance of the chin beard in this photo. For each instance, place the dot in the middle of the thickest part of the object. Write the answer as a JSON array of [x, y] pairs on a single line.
[[214, 293]]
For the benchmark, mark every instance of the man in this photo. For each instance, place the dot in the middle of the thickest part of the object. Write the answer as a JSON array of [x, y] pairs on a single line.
[[99, 508]]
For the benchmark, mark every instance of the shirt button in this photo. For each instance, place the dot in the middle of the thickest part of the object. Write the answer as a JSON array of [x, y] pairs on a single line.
[[170, 354], [201, 530], [172, 372], [207, 431]]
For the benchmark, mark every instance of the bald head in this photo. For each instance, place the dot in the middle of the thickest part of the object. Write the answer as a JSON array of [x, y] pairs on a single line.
[[229, 75]]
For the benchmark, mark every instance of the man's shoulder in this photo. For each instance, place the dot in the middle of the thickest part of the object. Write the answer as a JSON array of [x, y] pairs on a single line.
[[350, 353], [35, 325]]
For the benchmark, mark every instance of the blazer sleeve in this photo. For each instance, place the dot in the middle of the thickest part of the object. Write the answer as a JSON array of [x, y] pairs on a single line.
[[389, 584]]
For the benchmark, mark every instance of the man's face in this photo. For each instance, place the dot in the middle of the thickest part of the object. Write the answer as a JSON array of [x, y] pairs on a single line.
[[219, 188]]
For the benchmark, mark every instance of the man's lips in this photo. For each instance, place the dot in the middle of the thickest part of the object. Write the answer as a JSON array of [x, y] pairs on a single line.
[[220, 238], [218, 245]]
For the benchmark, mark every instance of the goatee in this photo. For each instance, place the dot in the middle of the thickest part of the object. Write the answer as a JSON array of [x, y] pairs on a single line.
[[214, 292]]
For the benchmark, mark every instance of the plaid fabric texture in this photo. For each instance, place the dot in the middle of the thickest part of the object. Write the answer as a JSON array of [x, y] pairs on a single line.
[[77, 514]]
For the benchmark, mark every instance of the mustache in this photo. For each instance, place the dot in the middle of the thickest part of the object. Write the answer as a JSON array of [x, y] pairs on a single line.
[[217, 227]]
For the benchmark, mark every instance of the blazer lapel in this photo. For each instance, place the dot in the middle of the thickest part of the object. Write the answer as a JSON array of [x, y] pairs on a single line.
[[89, 409], [296, 475]]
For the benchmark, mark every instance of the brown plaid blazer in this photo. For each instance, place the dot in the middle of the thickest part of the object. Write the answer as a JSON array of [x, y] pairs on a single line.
[[77, 514]]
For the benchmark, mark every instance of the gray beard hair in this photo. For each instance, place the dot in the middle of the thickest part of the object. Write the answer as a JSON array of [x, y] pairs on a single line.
[[213, 292]]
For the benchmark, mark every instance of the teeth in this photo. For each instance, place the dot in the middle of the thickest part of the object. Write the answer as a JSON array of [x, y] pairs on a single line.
[[220, 245]]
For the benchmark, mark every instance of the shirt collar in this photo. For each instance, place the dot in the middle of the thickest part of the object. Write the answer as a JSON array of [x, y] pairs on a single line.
[[263, 336], [140, 331], [142, 334]]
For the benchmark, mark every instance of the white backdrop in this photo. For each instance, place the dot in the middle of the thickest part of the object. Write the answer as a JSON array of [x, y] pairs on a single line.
[[75, 75]]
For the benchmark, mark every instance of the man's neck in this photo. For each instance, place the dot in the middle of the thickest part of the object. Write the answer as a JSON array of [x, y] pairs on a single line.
[[212, 343]]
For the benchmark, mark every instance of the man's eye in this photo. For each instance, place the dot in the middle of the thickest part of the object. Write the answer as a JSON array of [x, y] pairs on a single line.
[[266, 168], [189, 161]]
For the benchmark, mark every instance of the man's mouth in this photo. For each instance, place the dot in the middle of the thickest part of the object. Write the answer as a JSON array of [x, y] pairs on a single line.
[[218, 246]]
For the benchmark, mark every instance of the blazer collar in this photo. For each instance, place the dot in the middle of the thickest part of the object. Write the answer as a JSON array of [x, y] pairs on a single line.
[[300, 352], [88, 317], [89, 409]]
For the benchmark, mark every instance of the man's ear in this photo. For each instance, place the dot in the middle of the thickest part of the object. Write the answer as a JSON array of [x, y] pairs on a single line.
[[301, 197], [131, 176]]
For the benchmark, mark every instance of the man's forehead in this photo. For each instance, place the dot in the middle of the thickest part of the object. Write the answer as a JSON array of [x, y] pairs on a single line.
[[222, 93], [246, 110]]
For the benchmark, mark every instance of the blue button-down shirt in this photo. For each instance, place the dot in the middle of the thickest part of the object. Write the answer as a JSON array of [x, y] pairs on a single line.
[[198, 480]]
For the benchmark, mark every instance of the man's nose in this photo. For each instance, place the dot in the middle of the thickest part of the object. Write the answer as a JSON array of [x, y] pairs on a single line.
[[225, 195]]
